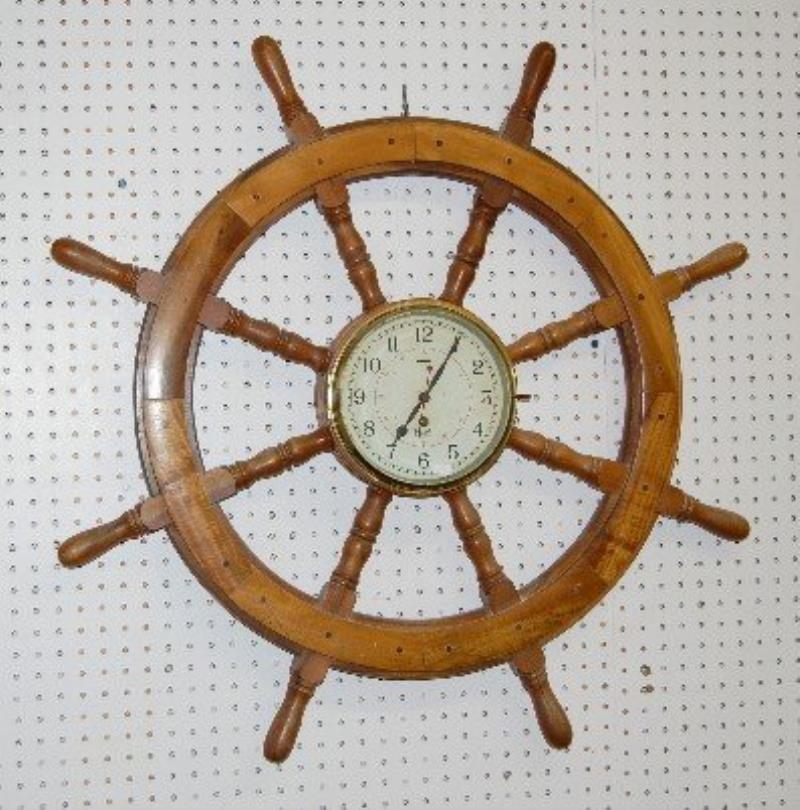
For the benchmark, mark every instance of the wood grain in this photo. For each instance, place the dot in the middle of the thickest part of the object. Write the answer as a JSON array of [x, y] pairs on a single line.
[[92, 263], [268, 337], [610, 312], [498, 592], [216, 314], [492, 196], [609, 476], [219, 484], [92, 543], [332, 196], [338, 596], [326, 632], [222, 562]]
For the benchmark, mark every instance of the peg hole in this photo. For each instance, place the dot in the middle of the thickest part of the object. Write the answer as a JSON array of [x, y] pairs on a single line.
[[640, 296], [439, 142], [509, 161], [399, 650], [328, 634], [320, 161], [255, 196], [391, 141]]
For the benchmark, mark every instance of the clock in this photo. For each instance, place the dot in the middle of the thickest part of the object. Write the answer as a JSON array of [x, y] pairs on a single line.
[[419, 397], [416, 398]]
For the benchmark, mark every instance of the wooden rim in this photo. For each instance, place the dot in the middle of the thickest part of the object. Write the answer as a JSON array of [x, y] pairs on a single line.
[[200, 530]]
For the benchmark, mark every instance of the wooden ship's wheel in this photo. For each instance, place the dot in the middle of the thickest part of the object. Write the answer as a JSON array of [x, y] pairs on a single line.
[[416, 398]]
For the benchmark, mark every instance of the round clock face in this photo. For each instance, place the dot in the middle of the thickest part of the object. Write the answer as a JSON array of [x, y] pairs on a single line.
[[422, 396]]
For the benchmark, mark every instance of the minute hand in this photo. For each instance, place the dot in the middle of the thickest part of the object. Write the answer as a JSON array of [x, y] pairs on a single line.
[[441, 368]]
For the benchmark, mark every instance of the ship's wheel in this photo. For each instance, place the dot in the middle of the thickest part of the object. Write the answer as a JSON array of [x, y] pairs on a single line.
[[416, 398]]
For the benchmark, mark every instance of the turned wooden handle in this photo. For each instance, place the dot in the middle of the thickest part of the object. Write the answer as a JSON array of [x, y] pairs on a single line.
[[87, 261], [609, 312], [274, 460], [89, 545], [285, 727], [494, 195], [309, 669], [609, 476], [331, 194], [537, 73], [557, 334], [552, 718], [498, 592], [333, 202], [472, 245], [222, 317], [272, 66], [722, 260], [722, 522]]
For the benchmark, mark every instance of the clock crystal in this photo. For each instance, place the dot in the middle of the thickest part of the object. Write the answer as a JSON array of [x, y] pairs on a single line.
[[422, 396]]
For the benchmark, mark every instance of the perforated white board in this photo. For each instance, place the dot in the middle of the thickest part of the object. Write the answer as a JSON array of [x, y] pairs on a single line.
[[124, 684]]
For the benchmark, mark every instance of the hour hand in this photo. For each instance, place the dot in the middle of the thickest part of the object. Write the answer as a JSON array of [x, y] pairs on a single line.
[[398, 434]]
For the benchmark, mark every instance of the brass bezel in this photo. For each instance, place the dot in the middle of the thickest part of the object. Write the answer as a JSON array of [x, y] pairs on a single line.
[[330, 413]]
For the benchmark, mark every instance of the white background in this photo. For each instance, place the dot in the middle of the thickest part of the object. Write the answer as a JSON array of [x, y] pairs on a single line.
[[124, 684]]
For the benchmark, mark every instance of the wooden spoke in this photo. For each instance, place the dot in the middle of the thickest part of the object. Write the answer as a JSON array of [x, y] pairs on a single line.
[[333, 199], [220, 316], [334, 202], [498, 592], [493, 196], [220, 483], [609, 312], [609, 476], [338, 596], [217, 314]]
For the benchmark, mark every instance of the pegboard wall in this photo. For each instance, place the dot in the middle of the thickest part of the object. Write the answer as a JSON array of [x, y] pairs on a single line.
[[124, 684]]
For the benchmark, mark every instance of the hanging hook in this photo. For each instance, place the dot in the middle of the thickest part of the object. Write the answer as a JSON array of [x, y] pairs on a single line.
[[405, 100]]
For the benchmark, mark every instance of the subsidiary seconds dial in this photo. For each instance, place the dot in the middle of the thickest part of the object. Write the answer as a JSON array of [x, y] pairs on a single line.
[[421, 397]]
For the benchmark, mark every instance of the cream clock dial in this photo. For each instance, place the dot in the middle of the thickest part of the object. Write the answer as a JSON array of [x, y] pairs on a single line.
[[423, 396]]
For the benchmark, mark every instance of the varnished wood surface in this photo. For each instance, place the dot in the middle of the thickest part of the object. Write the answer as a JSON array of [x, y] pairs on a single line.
[[610, 312], [608, 476], [326, 632], [92, 543], [493, 195], [365, 643], [338, 596], [219, 484], [498, 592], [216, 313], [332, 196]]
